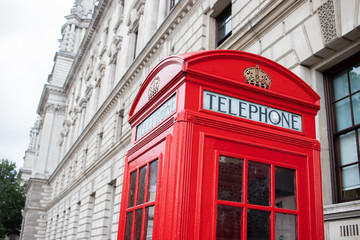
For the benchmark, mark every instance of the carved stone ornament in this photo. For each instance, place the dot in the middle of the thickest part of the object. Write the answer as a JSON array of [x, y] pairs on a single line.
[[154, 87], [257, 77], [327, 20]]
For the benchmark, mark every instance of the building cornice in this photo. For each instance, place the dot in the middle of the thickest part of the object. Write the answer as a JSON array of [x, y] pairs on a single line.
[[47, 91], [87, 41], [31, 181]]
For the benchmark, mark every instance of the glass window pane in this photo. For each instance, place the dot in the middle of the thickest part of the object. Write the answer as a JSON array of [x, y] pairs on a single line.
[[138, 223], [351, 194], [356, 107], [340, 85], [132, 189], [152, 181], [223, 22], [350, 177], [230, 179], [228, 222], [342, 114], [285, 226], [258, 223], [128, 225], [228, 26], [285, 190], [141, 186], [149, 223], [354, 76], [347, 147], [258, 183]]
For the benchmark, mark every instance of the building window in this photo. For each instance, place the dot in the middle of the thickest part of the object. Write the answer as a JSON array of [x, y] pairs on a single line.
[[119, 123], [344, 106], [172, 4], [223, 25], [136, 33], [141, 202]]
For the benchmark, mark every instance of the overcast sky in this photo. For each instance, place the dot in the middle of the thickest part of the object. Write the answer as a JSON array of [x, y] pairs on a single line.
[[29, 33]]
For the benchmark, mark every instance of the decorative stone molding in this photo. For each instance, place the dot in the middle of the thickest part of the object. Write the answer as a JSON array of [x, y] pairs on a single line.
[[327, 20], [134, 17], [83, 8], [115, 47], [121, 15], [52, 108], [100, 73], [83, 102]]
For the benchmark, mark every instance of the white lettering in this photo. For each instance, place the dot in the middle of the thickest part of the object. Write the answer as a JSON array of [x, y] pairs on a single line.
[[156, 117]]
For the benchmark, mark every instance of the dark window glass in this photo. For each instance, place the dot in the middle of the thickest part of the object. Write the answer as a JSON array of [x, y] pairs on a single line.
[[285, 192], [285, 226], [223, 23], [142, 182], [132, 189], [258, 183], [172, 4], [128, 225], [143, 223], [138, 223], [344, 97], [230, 179], [149, 223], [152, 181], [228, 222], [258, 223], [230, 204]]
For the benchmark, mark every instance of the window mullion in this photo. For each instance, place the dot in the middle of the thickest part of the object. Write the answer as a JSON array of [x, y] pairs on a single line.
[[245, 193], [145, 201], [350, 97], [357, 136], [272, 202]]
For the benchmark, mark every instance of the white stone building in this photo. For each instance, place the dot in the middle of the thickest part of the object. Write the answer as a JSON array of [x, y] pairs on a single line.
[[74, 162]]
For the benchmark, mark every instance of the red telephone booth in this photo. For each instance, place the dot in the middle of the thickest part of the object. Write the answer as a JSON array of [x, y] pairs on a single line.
[[223, 147]]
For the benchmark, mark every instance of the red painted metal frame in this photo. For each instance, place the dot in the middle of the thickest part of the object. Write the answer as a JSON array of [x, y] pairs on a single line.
[[190, 140]]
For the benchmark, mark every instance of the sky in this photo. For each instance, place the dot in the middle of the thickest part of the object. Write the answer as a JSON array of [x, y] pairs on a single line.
[[29, 33]]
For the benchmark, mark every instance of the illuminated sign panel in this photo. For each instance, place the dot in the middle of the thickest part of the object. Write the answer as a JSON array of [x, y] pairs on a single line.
[[248, 110], [156, 117]]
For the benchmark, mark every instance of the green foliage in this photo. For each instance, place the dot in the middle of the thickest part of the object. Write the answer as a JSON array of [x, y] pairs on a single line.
[[12, 199]]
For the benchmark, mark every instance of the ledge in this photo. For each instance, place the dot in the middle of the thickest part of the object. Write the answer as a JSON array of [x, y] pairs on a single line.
[[342, 210]]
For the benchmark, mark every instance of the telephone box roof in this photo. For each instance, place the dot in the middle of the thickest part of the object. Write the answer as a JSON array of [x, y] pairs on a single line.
[[225, 67]]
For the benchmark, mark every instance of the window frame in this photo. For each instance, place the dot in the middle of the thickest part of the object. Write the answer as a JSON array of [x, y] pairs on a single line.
[[218, 22], [333, 134], [145, 204], [244, 205]]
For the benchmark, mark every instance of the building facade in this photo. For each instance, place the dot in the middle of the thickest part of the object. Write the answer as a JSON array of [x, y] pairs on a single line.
[[74, 164]]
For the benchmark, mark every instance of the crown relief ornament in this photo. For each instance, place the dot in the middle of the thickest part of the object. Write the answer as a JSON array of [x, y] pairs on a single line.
[[154, 87], [257, 77]]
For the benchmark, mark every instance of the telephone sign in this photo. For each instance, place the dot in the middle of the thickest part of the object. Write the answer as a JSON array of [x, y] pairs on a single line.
[[249, 110]]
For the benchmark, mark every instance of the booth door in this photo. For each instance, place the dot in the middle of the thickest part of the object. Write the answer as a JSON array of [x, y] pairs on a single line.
[[253, 192], [142, 195]]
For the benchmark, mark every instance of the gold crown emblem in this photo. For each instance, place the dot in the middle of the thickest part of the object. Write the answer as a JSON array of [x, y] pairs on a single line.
[[154, 87], [257, 77]]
